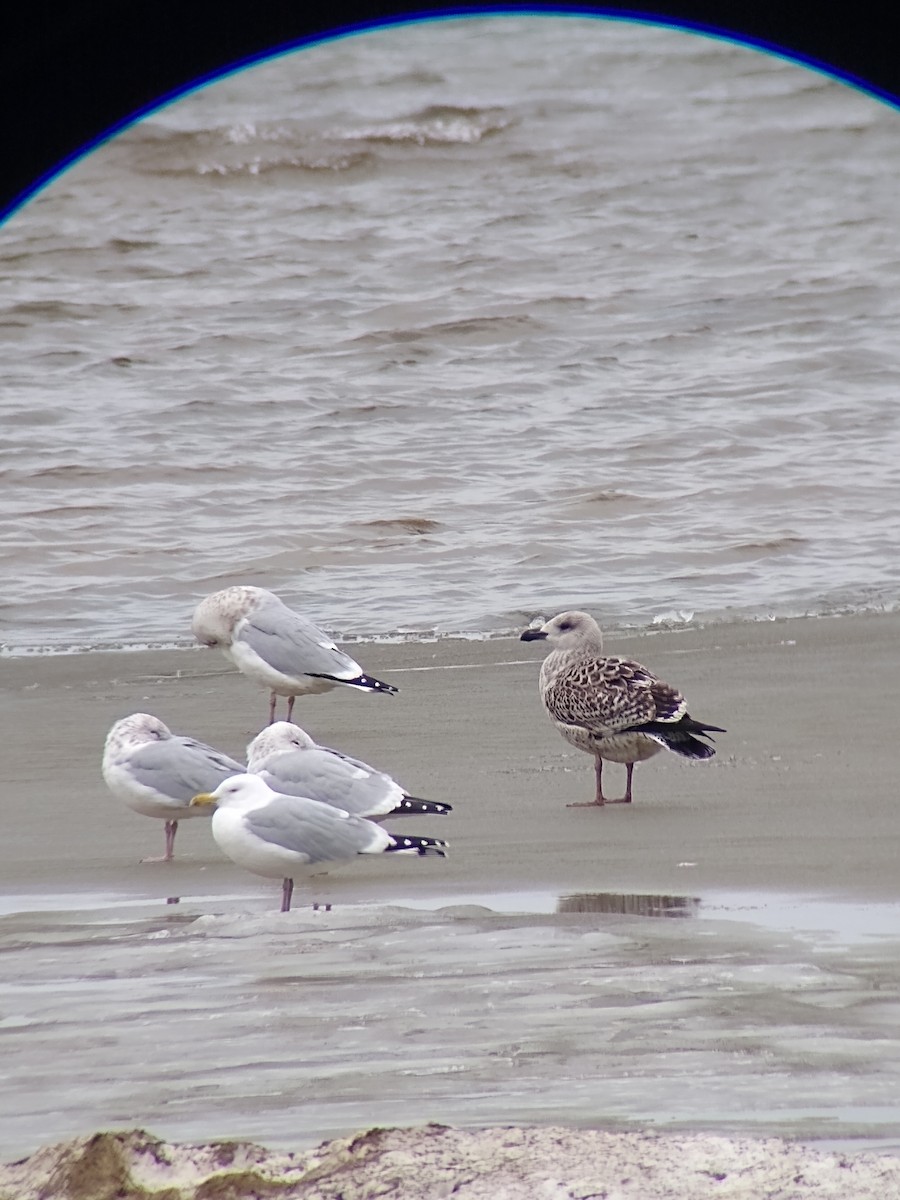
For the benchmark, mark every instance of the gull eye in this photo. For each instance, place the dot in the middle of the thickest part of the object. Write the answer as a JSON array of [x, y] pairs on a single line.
[[564, 625]]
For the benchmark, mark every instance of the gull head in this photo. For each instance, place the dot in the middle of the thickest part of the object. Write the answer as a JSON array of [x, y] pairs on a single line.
[[215, 617], [237, 790], [277, 738], [567, 631], [137, 730]]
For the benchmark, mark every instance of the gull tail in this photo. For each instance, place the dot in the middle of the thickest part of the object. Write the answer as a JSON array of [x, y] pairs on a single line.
[[682, 736], [411, 806], [417, 845]]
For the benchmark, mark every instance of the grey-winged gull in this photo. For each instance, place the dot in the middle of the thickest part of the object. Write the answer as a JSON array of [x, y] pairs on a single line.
[[288, 759], [610, 707], [276, 646], [282, 837], [156, 772]]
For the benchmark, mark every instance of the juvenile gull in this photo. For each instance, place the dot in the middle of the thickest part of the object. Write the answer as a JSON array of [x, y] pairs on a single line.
[[282, 837], [613, 708], [290, 762], [276, 646], [155, 772]]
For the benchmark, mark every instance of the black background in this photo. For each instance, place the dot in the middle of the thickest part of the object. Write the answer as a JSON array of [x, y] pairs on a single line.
[[70, 73]]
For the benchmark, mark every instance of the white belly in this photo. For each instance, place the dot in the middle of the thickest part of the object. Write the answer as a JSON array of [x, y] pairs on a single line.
[[249, 663], [254, 853], [146, 800]]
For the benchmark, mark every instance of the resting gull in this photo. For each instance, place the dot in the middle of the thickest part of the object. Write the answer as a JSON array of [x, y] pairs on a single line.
[[276, 646], [290, 762], [156, 772], [612, 708], [285, 836]]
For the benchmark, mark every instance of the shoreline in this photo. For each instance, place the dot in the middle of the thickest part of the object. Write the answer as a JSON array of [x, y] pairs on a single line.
[[662, 623]]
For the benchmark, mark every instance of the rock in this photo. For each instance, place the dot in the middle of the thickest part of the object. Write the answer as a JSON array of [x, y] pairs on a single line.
[[432, 1162]]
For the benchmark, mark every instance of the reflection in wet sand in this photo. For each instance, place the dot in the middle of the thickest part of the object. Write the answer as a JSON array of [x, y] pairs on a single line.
[[632, 905]]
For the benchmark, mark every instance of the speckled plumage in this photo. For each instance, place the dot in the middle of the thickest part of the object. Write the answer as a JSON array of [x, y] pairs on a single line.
[[611, 707]]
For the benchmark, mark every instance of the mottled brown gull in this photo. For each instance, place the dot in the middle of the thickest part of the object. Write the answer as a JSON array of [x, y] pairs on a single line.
[[276, 646], [156, 772], [610, 707], [282, 837], [290, 762]]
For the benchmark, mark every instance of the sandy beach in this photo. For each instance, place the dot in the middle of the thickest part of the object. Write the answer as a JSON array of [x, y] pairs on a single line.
[[800, 796], [524, 980]]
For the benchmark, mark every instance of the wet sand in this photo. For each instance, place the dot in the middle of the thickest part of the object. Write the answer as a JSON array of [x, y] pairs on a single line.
[[523, 980]]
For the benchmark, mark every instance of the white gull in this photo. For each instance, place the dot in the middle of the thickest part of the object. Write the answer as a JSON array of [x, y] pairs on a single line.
[[276, 646]]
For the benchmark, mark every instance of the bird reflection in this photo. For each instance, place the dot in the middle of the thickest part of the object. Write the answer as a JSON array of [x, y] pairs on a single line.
[[643, 906]]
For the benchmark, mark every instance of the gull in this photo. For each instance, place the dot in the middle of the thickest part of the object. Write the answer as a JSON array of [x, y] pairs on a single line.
[[282, 837], [290, 762], [156, 772], [276, 646], [613, 708]]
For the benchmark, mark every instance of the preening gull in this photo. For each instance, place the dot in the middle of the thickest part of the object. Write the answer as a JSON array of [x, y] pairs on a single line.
[[290, 762], [613, 708], [276, 646], [156, 772], [282, 837]]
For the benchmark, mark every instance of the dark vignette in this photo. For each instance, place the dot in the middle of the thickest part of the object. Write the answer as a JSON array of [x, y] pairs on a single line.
[[73, 74]]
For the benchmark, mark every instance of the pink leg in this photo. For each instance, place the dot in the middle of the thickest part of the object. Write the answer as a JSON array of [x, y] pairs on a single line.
[[287, 890], [171, 830], [272, 699], [290, 710], [599, 800], [629, 767]]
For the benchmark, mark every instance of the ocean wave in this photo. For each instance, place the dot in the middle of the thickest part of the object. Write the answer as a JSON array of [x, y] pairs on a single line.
[[321, 159], [626, 359], [261, 147], [436, 125], [414, 525], [243, 148]]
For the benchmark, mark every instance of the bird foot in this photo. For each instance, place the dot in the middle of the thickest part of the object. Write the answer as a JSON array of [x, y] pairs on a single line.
[[159, 858], [599, 803]]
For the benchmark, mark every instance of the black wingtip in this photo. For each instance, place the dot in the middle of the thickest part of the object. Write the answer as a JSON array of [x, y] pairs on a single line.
[[374, 685], [682, 736], [418, 845], [414, 805], [681, 743], [365, 682]]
